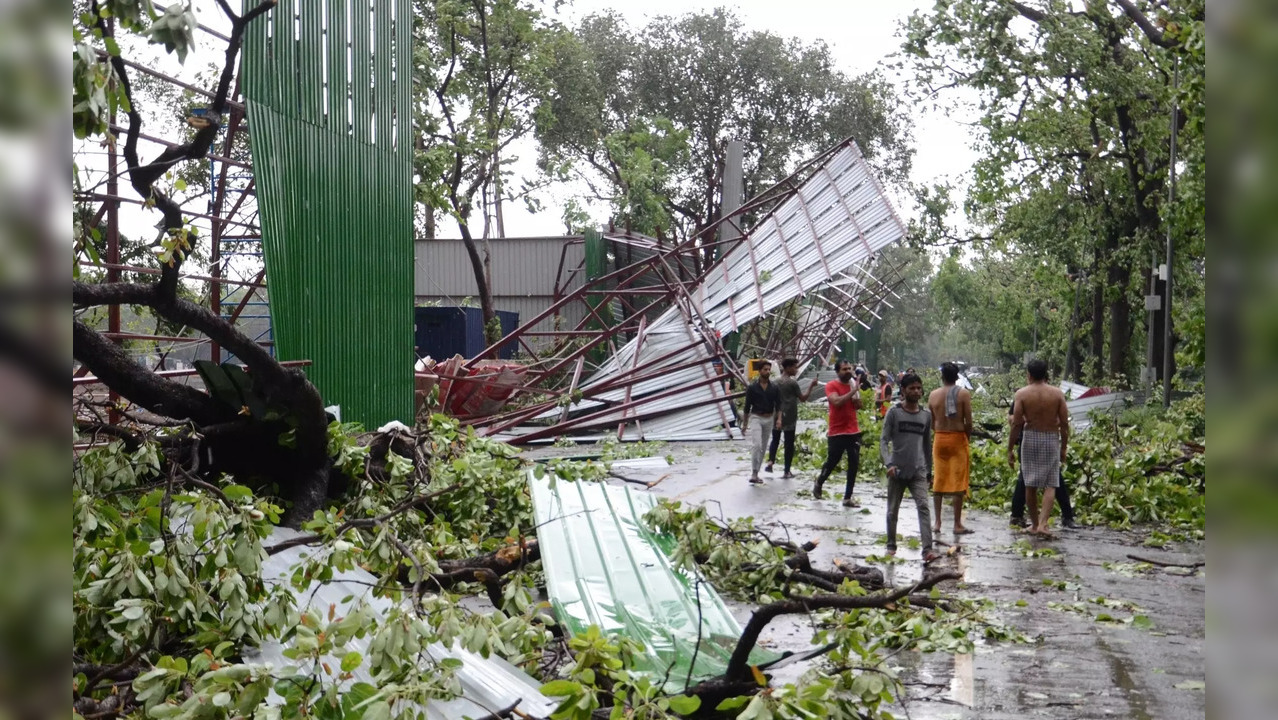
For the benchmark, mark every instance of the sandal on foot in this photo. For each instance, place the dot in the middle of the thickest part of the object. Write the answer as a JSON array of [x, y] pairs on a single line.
[[963, 531], [930, 557]]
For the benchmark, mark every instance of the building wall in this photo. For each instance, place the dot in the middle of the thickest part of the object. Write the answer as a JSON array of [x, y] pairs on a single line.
[[524, 271]]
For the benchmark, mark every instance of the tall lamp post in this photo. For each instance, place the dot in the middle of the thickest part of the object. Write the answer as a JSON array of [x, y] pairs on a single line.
[[1171, 246]]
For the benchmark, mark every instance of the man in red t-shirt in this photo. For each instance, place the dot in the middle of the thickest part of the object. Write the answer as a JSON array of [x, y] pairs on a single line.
[[844, 436]]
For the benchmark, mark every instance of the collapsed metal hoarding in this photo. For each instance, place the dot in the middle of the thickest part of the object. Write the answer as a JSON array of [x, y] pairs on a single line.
[[605, 568], [810, 254], [490, 687]]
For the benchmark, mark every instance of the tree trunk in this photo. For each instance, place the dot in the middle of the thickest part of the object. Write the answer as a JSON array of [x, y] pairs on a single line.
[[497, 199], [481, 284], [1120, 323], [1097, 373], [1118, 277]]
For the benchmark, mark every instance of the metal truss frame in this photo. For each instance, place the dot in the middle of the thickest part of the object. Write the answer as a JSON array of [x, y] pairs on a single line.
[[230, 216], [656, 275]]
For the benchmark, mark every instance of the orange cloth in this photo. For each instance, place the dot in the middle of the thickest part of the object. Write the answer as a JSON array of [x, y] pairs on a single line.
[[951, 465]]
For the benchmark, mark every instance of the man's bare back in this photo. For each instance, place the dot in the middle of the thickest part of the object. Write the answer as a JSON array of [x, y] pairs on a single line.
[[1041, 407], [962, 420]]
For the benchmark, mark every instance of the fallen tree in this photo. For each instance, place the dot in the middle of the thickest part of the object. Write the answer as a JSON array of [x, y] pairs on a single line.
[[230, 440], [169, 590]]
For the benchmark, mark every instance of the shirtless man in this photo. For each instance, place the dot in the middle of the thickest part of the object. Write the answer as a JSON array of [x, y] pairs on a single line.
[[951, 408], [1040, 422]]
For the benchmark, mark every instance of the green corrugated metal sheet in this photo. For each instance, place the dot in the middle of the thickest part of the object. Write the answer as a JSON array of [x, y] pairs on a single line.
[[605, 567], [334, 188]]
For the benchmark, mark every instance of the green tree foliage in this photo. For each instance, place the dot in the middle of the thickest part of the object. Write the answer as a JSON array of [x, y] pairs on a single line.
[[625, 98], [479, 71], [1076, 104], [1002, 307]]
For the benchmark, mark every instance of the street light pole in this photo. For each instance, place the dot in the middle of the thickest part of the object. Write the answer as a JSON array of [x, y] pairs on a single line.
[[1171, 246]]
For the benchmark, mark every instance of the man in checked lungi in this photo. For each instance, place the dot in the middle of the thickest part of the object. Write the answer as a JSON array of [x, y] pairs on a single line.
[[1040, 422]]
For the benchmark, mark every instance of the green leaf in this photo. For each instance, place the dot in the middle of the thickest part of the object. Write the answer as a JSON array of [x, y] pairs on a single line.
[[218, 383], [351, 660], [560, 688], [237, 492], [379, 710], [244, 385], [732, 703], [1142, 622], [685, 704]]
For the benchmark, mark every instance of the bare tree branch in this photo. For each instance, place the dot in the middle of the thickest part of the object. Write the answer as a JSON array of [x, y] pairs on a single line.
[[738, 664]]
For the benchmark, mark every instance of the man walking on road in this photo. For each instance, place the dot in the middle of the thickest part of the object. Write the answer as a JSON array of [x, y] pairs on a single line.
[[762, 403], [1040, 424], [907, 431], [791, 395], [951, 408], [844, 434], [1018, 496]]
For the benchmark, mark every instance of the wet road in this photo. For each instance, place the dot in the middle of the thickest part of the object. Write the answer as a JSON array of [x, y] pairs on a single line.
[[1087, 663]]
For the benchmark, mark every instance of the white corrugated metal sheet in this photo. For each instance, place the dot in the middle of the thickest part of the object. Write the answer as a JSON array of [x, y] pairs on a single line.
[[1080, 410], [832, 225], [489, 685]]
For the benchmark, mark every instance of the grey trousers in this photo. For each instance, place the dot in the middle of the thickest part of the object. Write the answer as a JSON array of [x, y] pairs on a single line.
[[760, 432], [918, 490]]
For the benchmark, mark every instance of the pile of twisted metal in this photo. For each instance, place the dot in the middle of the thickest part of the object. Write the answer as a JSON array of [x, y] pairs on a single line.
[[649, 358]]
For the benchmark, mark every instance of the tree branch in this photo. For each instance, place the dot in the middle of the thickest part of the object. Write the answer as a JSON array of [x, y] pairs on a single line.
[[738, 664], [361, 522], [114, 367], [1142, 21], [1029, 13]]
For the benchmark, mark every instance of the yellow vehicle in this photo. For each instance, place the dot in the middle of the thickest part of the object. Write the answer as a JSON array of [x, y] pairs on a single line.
[[752, 368]]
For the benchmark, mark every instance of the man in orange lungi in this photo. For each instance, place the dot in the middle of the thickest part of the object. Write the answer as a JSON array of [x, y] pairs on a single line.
[[951, 408]]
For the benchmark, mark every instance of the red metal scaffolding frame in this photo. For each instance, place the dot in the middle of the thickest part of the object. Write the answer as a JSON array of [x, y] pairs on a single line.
[[220, 274]]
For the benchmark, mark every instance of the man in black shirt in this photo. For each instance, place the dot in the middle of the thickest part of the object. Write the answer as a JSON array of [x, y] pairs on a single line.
[[762, 407]]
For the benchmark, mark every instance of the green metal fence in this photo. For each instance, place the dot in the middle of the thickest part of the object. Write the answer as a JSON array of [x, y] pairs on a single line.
[[327, 84]]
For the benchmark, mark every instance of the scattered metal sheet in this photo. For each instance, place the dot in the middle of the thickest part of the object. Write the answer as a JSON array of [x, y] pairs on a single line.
[[490, 685], [1073, 390], [643, 463], [1080, 410], [604, 567]]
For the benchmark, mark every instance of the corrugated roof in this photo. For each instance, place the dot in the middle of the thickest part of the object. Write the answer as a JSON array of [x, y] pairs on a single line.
[[826, 233], [605, 567], [489, 685]]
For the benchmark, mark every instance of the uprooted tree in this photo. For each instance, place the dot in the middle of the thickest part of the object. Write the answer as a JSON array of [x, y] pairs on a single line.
[[171, 594], [217, 436]]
